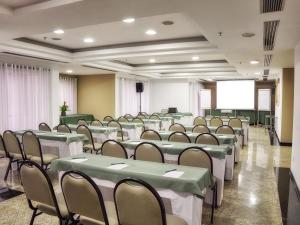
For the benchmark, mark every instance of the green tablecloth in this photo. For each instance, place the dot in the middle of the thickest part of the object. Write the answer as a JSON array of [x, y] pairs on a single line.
[[73, 118], [175, 148], [227, 120], [239, 131], [55, 136], [224, 139], [194, 180], [126, 125], [95, 129]]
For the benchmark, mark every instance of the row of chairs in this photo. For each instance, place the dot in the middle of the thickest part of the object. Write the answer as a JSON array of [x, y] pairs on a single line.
[[217, 121], [82, 201]]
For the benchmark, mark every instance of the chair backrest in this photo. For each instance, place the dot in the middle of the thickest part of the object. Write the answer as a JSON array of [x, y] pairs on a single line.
[[177, 127], [108, 118], [138, 203], [207, 139], [116, 124], [44, 127], [200, 120], [140, 116], [151, 135], [82, 129], [37, 185], [12, 143], [63, 128], [96, 123], [122, 119], [235, 122], [82, 122], [31, 145], [147, 151], [114, 149], [2, 147], [216, 122], [225, 129], [197, 157], [179, 137], [143, 113], [200, 129], [137, 120], [154, 117], [83, 197], [129, 116]]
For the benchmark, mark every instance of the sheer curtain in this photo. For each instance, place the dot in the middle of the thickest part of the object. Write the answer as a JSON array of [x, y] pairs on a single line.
[[194, 89], [24, 96], [128, 99], [68, 93]]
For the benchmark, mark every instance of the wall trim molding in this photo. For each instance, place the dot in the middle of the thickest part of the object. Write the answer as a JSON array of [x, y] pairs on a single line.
[[282, 143]]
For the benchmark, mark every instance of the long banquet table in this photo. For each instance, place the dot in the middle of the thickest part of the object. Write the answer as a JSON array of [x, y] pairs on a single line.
[[183, 194], [133, 130]]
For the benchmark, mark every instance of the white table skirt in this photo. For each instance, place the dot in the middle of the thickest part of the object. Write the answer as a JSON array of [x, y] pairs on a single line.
[[101, 137], [185, 120], [166, 124], [133, 133], [153, 126], [219, 173], [185, 205]]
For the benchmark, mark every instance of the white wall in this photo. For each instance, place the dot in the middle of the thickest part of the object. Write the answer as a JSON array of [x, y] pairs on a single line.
[[295, 166], [169, 93]]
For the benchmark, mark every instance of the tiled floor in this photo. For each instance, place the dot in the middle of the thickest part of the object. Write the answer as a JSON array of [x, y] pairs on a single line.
[[250, 199]]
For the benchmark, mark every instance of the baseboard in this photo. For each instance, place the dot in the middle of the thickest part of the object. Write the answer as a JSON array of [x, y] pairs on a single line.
[[297, 188], [282, 143]]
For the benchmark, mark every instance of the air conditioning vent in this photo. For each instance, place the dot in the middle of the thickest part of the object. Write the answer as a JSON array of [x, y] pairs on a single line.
[[267, 6], [270, 29], [268, 60], [266, 72]]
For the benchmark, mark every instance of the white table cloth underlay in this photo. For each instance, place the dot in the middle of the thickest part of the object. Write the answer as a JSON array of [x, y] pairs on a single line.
[[133, 133], [185, 205], [153, 125]]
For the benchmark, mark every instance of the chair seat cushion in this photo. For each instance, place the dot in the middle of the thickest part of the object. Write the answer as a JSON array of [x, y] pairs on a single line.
[[175, 220], [16, 156], [47, 158], [50, 210]]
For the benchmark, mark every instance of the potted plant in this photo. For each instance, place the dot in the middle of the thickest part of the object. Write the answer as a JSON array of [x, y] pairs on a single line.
[[64, 109]]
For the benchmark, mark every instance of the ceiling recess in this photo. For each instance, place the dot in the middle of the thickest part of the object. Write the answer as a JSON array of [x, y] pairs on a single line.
[[270, 30], [267, 60], [268, 6]]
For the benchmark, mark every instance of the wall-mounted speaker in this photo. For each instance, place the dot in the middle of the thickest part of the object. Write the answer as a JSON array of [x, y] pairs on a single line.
[[139, 87]]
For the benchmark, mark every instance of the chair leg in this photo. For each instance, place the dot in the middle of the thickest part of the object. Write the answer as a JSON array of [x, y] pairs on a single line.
[[7, 170], [33, 216]]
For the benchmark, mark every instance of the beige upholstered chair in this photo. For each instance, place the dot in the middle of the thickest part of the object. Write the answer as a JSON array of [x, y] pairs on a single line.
[[137, 120], [224, 130], [235, 122], [114, 149], [179, 137], [143, 113], [129, 116], [154, 117], [121, 136], [216, 122], [207, 139], [200, 121], [198, 157], [82, 122], [90, 145], [13, 149], [38, 189], [33, 151], [84, 198], [138, 203], [2, 148], [122, 119], [147, 151], [108, 118], [200, 129], [140, 116], [96, 123], [44, 127], [177, 127], [63, 128], [151, 135]]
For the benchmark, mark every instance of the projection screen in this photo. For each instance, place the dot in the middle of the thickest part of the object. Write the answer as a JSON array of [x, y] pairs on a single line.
[[235, 94]]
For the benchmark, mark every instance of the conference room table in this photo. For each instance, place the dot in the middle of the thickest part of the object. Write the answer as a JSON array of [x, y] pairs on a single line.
[[60, 144], [100, 134], [182, 188], [222, 156], [180, 117], [73, 118], [132, 130]]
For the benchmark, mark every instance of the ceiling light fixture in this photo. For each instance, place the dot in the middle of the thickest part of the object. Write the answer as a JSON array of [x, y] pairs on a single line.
[[257, 73], [152, 60], [151, 32], [254, 62], [129, 20], [88, 40], [69, 71], [195, 58], [167, 22], [58, 31]]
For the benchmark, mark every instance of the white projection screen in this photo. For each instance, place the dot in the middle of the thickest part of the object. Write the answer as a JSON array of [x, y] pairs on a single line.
[[235, 94]]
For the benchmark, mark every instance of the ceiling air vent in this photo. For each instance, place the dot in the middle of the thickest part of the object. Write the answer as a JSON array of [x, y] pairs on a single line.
[[266, 72], [268, 60], [270, 29], [267, 6]]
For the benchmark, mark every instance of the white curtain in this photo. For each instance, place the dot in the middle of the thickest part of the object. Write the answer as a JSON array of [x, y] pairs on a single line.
[[194, 90], [24, 96], [128, 99], [68, 93]]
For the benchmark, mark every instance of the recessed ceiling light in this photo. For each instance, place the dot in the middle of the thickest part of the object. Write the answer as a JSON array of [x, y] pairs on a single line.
[[88, 40], [59, 31], [257, 73], [56, 39], [151, 32], [195, 58], [69, 71], [254, 62], [129, 20], [152, 60]]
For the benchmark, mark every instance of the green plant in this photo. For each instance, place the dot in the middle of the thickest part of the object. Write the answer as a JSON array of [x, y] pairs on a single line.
[[64, 107]]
